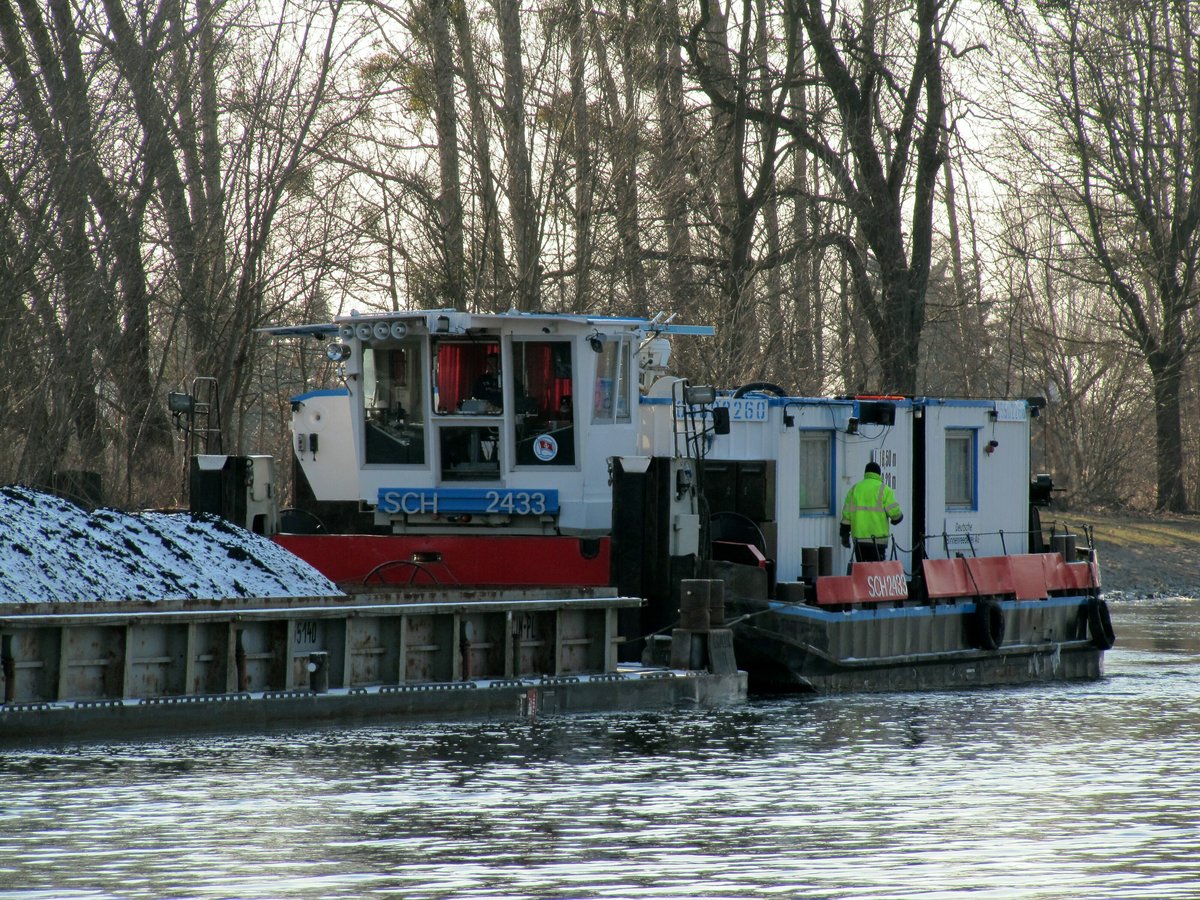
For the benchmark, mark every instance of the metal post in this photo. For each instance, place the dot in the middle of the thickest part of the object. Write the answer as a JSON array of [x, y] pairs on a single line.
[[9, 666], [318, 672]]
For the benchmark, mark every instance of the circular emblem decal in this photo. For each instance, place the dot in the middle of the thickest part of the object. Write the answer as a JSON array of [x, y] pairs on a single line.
[[545, 447]]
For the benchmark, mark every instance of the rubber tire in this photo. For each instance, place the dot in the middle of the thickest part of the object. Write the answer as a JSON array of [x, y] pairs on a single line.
[[988, 624], [1100, 627], [761, 387]]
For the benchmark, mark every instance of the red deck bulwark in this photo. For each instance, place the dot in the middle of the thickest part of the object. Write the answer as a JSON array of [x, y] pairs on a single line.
[[454, 559], [1029, 576], [866, 583]]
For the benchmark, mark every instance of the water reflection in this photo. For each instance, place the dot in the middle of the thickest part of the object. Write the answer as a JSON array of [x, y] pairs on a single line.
[[1067, 790]]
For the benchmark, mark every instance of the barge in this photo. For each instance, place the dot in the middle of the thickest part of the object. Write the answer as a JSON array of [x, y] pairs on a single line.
[[118, 670]]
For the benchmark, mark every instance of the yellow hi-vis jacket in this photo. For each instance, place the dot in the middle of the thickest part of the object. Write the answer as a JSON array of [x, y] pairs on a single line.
[[870, 506]]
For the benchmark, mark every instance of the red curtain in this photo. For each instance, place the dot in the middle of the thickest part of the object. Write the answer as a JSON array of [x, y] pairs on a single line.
[[458, 367], [545, 381]]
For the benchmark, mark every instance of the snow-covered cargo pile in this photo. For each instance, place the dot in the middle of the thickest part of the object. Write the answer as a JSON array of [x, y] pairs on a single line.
[[53, 551]]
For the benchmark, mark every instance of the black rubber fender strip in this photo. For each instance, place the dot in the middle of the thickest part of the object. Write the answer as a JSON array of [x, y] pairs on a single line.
[[1100, 627], [988, 624]]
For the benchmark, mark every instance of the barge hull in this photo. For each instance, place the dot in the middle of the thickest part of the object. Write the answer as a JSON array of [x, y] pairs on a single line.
[[33, 724], [111, 670], [789, 648], [795, 670]]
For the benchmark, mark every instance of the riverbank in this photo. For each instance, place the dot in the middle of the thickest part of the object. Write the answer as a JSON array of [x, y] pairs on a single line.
[[1146, 556]]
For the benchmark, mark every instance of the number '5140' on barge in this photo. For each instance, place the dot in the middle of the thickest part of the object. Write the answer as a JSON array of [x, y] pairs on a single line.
[[559, 452]]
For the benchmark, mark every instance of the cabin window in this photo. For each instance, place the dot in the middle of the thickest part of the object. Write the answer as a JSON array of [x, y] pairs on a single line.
[[544, 403], [470, 453], [610, 397], [394, 406], [960, 468], [467, 378], [816, 473]]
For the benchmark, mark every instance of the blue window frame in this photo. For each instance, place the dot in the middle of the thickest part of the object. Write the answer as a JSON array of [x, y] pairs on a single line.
[[962, 468]]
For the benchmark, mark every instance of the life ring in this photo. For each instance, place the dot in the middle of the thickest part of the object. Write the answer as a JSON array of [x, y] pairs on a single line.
[[987, 624], [1100, 627], [761, 387]]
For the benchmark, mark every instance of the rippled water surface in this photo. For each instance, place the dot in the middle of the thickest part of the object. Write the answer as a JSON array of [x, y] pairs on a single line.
[[1083, 790]]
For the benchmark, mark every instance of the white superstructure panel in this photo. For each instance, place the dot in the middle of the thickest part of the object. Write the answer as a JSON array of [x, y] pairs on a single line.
[[994, 518], [322, 435]]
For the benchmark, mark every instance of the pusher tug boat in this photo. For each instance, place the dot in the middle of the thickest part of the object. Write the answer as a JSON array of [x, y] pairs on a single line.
[[518, 514], [556, 452]]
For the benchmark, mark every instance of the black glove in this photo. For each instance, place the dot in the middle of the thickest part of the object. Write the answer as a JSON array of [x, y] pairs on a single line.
[[845, 530], [898, 519]]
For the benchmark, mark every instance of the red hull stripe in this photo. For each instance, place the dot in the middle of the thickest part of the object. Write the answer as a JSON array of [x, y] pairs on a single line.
[[454, 559]]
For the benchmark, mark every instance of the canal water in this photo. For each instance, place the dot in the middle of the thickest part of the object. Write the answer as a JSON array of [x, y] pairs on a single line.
[[1082, 790]]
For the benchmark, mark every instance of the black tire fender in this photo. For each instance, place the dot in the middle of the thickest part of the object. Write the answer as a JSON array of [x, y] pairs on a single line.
[[1100, 627], [988, 623], [761, 387]]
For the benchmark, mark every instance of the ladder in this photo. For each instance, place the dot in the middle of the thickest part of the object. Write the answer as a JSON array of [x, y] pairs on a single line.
[[204, 432]]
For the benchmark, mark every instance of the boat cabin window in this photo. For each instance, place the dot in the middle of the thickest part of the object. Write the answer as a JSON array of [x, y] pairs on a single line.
[[393, 402], [544, 403], [960, 468], [610, 397], [469, 452], [816, 473], [467, 378]]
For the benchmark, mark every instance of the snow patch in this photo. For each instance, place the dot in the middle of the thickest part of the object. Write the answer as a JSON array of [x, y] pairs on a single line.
[[53, 551]]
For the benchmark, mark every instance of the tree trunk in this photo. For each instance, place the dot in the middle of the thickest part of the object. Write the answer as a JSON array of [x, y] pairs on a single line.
[[582, 152], [1166, 370], [624, 143], [673, 178], [449, 200], [807, 330], [520, 175], [491, 279]]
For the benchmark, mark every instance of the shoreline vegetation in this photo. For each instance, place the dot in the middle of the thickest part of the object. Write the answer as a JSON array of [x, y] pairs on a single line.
[[1143, 555]]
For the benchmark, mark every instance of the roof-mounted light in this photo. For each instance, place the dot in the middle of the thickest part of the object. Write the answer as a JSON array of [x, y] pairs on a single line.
[[337, 352]]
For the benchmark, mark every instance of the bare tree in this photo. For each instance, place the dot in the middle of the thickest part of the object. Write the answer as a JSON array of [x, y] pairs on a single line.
[[581, 134], [98, 214], [745, 153], [672, 183], [165, 138], [450, 198], [621, 107], [521, 202], [889, 109], [492, 274], [1118, 88], [1093, 436]]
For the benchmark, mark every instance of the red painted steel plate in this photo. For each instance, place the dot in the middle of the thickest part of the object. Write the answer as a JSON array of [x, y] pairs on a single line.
[[532, 561], [1029, 576], [947, 578], [866, 583], [990, 576]]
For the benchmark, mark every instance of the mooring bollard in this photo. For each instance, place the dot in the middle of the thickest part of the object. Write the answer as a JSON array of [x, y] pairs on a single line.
[[716, 603], [701, 607], [825, 560], [1065, 545], [810, 563], [694, 596]]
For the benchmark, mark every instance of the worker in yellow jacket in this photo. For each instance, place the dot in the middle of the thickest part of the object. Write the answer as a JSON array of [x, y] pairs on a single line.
[[869, 509]]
